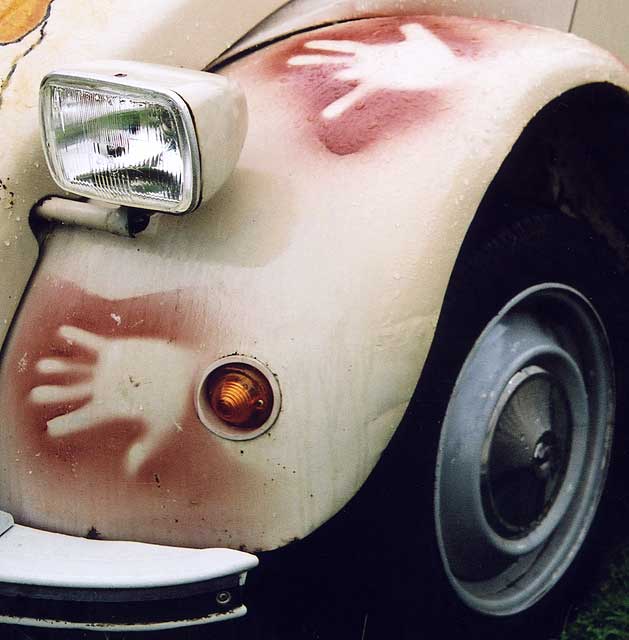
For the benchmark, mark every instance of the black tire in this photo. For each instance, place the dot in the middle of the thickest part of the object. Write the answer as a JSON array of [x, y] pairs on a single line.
[[542, 247]]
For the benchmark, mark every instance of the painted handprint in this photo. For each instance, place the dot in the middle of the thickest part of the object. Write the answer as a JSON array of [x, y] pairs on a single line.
[[131, 379], [420, 62]]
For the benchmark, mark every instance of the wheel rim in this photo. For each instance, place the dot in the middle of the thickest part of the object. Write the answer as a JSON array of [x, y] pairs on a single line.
[[524, 450]]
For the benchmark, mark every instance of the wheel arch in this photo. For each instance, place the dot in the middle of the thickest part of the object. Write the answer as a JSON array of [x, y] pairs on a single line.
[[570, 158]]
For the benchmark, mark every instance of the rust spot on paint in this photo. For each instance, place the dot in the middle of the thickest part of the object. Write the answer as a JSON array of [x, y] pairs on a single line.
[[369, 80], [7, 197], [93, 534], [19, 17]]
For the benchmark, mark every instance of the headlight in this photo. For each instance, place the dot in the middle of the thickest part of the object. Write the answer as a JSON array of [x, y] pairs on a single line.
[[125, 133]]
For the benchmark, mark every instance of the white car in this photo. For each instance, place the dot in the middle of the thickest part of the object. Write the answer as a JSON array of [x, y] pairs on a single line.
[[392, 320]]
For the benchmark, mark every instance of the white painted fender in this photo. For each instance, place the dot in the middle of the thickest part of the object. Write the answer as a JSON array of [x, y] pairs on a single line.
[[37, 36], [326, 256]]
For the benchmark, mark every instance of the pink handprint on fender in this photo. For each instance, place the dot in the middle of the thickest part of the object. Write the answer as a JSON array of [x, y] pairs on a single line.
[[100, 428], [131, 379], [364, 82], [419, 62]]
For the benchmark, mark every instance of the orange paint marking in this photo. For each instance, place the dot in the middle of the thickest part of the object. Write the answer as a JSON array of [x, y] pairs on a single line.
[[20, 17]]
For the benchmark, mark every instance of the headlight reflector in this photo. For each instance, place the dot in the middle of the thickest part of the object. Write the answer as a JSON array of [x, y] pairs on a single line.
[[125, 146]]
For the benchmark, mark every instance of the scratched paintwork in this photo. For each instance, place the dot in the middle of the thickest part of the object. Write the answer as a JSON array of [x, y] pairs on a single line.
[[19, 17], [325, 256]]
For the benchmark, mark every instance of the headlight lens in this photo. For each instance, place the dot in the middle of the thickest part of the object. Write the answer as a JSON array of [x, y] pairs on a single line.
[[124, 144]]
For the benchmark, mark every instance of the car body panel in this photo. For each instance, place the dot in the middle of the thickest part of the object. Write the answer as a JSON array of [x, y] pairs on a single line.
[[298, 15], [325, 256], [38, 36], [605, 23]]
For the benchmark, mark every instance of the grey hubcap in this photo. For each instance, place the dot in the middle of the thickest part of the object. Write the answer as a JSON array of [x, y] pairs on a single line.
[[524, 449]]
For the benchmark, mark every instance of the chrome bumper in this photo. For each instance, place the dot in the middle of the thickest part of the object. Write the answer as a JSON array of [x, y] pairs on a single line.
[[53, 580]]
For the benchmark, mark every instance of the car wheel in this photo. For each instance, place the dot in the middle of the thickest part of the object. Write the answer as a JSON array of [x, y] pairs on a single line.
[[524, 450], [509, 434]]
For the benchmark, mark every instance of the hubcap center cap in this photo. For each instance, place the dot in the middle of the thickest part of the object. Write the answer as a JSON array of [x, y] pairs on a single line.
[[526, 452], [546, 455]]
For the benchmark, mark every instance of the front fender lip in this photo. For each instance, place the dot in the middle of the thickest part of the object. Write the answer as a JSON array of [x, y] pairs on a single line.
[[50, 579]]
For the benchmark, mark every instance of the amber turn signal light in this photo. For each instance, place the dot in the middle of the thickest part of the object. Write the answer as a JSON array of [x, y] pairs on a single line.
[[240, 395]]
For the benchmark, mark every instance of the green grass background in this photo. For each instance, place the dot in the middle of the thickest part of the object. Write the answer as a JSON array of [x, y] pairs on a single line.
[[604, 614]]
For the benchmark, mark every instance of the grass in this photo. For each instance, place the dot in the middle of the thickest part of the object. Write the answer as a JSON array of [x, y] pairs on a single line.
[[604, 615]]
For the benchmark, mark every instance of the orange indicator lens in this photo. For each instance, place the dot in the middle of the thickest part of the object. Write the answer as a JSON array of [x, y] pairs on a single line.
[[240, 395]]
